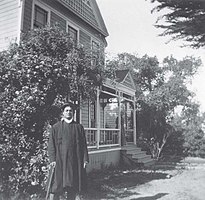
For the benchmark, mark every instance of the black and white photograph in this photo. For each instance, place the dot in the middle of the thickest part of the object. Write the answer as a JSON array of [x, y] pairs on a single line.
[[102, 99]]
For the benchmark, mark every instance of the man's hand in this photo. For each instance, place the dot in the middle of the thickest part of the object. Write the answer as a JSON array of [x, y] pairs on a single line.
[[52, 164], [85, 163]]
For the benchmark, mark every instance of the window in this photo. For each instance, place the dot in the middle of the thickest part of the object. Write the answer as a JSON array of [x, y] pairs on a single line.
[[40, 17], [95, 52], [95, 47], [73, 33], [92, 115]]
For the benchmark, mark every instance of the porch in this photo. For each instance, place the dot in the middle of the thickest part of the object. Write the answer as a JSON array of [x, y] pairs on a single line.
[[107, 138], [110, 121]]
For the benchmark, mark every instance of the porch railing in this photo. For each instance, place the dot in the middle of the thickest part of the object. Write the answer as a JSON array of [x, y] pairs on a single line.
[[107, 137], [91, 137]]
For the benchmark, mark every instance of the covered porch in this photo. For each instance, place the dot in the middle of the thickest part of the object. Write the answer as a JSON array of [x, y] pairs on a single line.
[[110, 121]]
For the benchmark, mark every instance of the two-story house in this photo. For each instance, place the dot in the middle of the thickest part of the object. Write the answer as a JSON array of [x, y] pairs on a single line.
[[106, 132], [80, 18]]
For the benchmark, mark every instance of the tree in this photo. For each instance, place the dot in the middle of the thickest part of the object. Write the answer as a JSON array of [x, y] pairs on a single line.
[[192, 124], [184, 19], [161, 89], [44, 70]]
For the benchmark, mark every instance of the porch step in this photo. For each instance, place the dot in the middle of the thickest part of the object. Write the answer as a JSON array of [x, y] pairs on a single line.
[[134, 154], [133, 150], [130, 147], [141, 157]]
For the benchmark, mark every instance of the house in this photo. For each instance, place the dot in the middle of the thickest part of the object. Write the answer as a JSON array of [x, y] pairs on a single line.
[[80, 18], [110, 121]]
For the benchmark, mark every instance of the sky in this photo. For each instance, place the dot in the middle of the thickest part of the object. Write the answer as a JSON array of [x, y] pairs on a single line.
[[130, 25]]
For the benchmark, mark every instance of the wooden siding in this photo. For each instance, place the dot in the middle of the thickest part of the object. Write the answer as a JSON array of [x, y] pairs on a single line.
[[128, 82], [9, 20], [84, 114], [59, 20], [75, 20], [84, 39], [59, 14], [27, 15], [102, 159], [110, 118], [82, 8]]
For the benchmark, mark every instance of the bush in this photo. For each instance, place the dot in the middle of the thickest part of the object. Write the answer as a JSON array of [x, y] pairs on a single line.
[[45, 69], [195, 146], [23, 166]]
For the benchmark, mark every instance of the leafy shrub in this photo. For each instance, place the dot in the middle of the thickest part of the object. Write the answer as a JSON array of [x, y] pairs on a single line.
[[152, 146], [45, 69], [175, 144], [195, 145]]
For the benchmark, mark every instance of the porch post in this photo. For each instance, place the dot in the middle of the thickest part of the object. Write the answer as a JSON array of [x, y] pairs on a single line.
[[134, 122], [80, 110], [98, 118], [119, 117]]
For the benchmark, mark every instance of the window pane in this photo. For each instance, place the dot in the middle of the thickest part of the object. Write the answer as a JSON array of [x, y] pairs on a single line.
[[41, 17], [92, 115], [73, 33], [109, 113], [95, 46], [95, 52]]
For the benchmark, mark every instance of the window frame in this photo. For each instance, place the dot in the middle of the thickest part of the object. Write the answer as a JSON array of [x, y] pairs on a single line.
[[69, 24], [36, 3], [92, 112], [94, 53], [96, 42]]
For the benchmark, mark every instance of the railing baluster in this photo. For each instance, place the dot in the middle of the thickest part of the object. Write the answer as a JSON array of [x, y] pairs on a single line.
[[108, 137]]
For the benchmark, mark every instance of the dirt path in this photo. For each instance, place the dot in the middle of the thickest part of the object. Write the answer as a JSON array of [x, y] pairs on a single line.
[[186, 184], [183, 182]]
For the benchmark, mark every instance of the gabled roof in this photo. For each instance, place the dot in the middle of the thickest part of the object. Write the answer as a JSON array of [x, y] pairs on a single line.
[[125, 78], [121, 74], [87, 10], [99, 18]]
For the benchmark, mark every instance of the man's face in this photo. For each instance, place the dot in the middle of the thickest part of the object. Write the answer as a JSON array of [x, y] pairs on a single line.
[[68, 112]]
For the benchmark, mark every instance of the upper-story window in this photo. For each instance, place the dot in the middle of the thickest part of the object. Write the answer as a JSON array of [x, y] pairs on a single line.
[[95, 47], [95, 52], [73, 34], [40, 17]]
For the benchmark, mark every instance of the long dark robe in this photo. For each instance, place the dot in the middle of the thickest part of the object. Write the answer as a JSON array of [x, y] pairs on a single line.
[[67, 147]]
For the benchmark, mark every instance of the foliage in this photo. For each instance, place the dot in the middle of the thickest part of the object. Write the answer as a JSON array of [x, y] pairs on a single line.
[[152, 146], [161, 88], [192, 128], [184, 20], [44, 70]]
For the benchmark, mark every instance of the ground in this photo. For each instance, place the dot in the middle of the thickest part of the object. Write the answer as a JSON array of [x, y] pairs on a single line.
[[173, 178], [170, 179]]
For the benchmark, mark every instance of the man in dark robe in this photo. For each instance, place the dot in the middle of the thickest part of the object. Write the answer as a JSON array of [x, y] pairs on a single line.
[[67, 150]]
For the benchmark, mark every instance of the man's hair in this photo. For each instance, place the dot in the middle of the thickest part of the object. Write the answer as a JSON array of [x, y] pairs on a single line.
[[69, 104]]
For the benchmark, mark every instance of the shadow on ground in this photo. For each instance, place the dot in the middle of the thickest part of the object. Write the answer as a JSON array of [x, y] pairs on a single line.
[[112, 184], [155, 197], [115, 183], [170, 163]]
